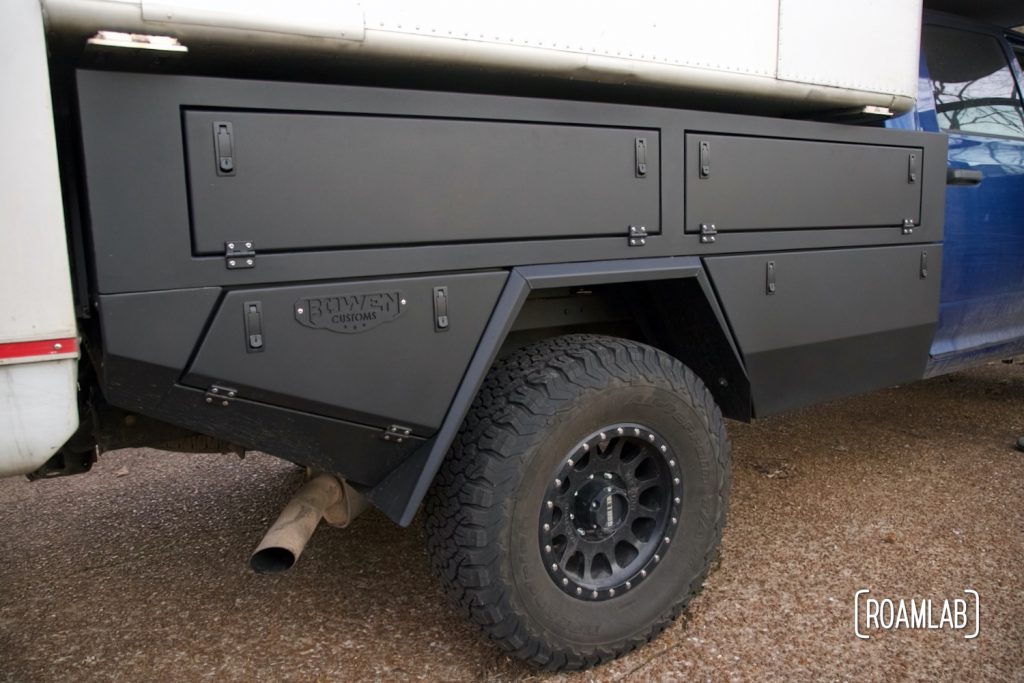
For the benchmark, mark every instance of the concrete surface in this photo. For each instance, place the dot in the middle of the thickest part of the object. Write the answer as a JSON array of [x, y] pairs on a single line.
[[137, 571]]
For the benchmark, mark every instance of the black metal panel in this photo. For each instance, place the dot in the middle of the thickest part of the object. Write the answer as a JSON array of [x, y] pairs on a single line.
[[148, 338], [798, 376], [136, 175], [754, 183], [836, 322], [683, 318], [307, 181], [400, 494], [160, 328], [356, 452], [607, 272], [351, 350]]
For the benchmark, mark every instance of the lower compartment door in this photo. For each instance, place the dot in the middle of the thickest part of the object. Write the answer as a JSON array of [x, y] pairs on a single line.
[[817, 325], [376, 352]]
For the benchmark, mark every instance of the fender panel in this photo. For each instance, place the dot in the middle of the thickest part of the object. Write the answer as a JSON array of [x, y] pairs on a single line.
[[399, 495]]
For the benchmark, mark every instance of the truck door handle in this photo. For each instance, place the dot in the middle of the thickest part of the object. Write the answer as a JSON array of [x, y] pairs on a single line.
[[963, 176]]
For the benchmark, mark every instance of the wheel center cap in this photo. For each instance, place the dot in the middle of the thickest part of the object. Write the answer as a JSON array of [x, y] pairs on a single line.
[[601, 508]]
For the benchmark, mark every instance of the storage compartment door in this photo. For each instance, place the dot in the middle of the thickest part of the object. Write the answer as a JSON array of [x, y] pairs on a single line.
[[752, 183], [375, 352], [818, 325], [309, 181]]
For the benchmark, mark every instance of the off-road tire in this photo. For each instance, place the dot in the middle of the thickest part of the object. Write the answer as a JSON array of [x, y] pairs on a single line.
[[482, 511]]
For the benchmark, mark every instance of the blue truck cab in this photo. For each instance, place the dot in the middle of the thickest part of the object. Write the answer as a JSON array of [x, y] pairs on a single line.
[[970, 89]]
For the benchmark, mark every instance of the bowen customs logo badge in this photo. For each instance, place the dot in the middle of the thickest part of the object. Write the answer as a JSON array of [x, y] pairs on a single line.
[[349, 313]]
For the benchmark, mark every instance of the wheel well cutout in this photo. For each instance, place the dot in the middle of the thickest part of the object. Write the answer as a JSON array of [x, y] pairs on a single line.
[[675, 316]]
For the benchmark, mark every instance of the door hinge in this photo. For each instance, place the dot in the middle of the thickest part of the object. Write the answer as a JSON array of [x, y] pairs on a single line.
[[707, 233], [912, 168], [397, 433], [637, 236], [220, 395], [924, 265], [908, 226], [705, 159], [239, 254], [769, 278]]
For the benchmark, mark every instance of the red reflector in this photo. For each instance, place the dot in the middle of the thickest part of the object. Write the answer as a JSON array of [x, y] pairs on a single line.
[[45, 347]]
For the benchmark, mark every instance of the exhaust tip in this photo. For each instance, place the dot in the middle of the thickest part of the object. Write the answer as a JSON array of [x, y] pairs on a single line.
[[325, 496], [272, 560]]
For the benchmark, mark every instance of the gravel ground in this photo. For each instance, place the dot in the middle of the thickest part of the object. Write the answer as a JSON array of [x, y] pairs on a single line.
[[138, 571]]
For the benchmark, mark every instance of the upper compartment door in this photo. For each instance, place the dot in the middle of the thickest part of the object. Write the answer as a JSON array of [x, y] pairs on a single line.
[[288, 181], [753, 183]]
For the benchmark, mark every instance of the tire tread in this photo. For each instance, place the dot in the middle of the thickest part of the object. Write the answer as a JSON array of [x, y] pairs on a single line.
[[520, 395]]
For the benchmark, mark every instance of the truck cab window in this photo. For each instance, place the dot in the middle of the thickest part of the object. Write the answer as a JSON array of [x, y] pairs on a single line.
[[972, 82]]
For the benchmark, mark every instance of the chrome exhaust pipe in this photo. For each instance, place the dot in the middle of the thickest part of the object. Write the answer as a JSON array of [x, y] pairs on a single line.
[[326, 497]]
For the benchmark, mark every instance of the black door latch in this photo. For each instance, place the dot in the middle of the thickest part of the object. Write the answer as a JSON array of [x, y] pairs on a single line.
[[253, 326], [224, 147], [440, 309]]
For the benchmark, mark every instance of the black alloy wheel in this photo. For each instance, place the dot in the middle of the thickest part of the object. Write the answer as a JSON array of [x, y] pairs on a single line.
[[611, 511]]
